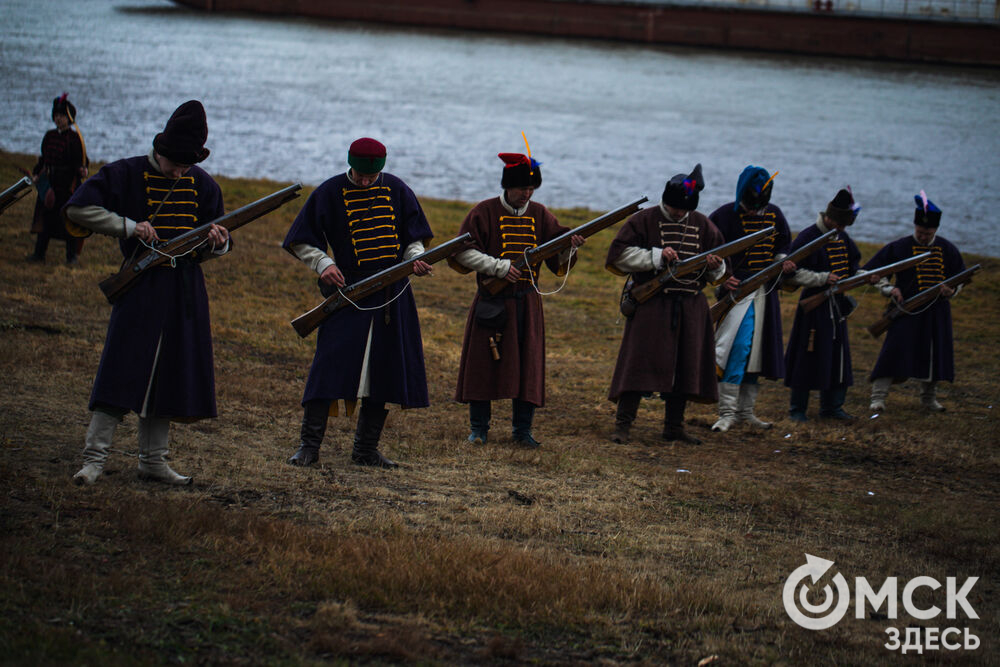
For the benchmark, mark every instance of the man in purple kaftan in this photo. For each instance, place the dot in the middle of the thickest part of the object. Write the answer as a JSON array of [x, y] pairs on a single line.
[[818, 355], [918, 345], [372, 351], [157, 359]]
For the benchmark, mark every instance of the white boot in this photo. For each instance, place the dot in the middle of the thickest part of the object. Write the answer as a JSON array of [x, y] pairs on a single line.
[[928, 397], [96, 446], [744, 409], [728, 395], [153, 433], [880, 392]]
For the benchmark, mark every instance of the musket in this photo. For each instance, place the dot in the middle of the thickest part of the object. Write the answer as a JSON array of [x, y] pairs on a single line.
[[812, 302], [305, 323], [534, 256], [918, 300], [645, 291], [749, 285], [14, 193], [165, 251]]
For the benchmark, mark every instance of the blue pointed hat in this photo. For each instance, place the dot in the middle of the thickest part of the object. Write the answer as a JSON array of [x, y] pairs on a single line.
[[754, 188]]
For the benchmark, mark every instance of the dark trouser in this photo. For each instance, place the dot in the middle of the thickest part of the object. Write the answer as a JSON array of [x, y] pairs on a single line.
[[831, 401], [522, 417], [479, 416], [674, 406], [42, 246], [798, 402], [628, 407]]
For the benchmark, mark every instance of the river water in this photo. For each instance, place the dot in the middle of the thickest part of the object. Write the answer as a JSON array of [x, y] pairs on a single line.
[[609, 122]]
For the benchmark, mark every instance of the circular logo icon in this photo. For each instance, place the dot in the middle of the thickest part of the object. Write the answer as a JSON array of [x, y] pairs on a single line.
[[820, 616]]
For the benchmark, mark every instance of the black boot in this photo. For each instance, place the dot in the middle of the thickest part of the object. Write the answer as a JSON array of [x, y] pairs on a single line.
[[370, 422], [628, 406], [797, 403], [673, 420], [313, 429], [521, 420], [831, 404], [479, 421]]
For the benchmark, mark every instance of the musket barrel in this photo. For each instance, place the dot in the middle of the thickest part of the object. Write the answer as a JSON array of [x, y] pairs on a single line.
[[114, 286], [812, 302], [898, 310], [554, 246], [305, 323], [643, 292]]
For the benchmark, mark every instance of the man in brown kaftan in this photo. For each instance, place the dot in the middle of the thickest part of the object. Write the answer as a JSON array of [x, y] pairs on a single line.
[[503, 353], [668, 345]]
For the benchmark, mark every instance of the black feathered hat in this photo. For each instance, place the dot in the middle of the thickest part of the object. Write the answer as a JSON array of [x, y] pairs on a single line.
[[183, 138], [842, 208], [926, 213], [682, 190], [62, 105]]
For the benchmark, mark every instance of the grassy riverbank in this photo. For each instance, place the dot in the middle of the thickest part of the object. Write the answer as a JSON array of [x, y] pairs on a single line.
[[582, 551]]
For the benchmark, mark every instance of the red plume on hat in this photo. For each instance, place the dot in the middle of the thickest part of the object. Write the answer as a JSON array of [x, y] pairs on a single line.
[[62, 105]]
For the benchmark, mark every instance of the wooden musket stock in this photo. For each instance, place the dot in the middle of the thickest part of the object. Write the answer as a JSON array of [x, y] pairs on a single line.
[[749, 285], [560, 243], [812, 302], [920, 299], [116, 285], [305, 323]]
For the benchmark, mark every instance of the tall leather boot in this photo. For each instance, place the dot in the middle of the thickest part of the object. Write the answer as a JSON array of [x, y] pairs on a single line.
[[479, 421], [673, 421], [371, 419], [153, 433], [831, 404], [314, 415], [744, 405], [729, 395], [880, 392], [928, 396], [95, 451], [628, 407], [523, 414]]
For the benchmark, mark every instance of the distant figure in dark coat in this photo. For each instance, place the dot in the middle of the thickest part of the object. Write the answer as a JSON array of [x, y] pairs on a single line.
[[157, 359], [668, 346], [918, 345], [818, 355], [61, 167], [372, 351], [510, 324]]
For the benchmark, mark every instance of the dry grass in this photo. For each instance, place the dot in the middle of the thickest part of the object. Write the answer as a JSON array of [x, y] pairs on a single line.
[[583, 551]]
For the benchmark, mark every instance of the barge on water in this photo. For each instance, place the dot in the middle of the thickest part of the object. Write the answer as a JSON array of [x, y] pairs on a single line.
[[964, 32]]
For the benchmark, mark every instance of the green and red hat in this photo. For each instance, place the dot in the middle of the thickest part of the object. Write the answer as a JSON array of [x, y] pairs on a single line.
[[366, 156]]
